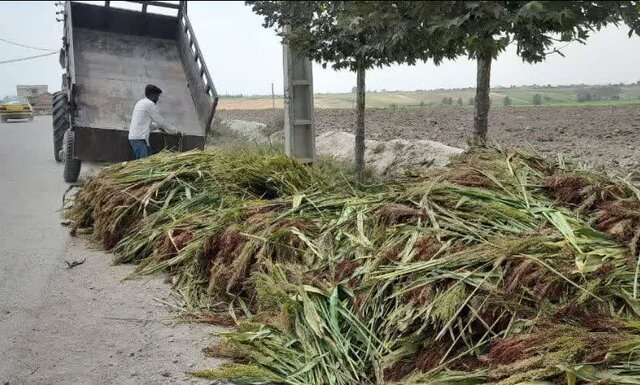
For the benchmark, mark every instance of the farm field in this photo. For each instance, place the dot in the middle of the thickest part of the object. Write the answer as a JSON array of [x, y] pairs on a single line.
[[600, 136], [520, 96]]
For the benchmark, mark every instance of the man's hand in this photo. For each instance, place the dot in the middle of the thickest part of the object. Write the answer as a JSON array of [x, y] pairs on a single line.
[[170, 131]]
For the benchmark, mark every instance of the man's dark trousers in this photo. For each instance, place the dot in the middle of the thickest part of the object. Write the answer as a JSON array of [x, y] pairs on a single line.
[[140, 148]]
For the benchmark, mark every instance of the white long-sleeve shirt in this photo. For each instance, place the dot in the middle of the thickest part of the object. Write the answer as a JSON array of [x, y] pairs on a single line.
[[145, 113]]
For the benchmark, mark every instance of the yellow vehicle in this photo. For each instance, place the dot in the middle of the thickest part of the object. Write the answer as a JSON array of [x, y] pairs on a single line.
[[15, 108]]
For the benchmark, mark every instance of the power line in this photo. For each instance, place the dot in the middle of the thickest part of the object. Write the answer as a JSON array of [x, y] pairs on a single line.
[[27, 58], [25, 46]]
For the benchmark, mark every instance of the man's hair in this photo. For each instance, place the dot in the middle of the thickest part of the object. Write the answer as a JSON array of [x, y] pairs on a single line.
[[150, 89]]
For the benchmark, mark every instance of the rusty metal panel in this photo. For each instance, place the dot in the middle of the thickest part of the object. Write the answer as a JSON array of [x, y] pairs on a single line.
[[99, 145], [111, 73], [124, 21]]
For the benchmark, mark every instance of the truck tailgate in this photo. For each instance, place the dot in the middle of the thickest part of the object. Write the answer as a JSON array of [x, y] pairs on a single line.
[[112, 70]]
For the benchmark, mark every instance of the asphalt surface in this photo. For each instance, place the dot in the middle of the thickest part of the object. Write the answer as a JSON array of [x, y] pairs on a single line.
[[85, 325]]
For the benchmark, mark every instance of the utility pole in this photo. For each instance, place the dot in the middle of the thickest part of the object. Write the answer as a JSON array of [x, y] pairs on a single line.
[[299, 125]]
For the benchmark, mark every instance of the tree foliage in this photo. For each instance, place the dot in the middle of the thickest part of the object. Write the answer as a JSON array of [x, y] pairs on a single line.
[[488, 27], [352, 34], [537, 99]]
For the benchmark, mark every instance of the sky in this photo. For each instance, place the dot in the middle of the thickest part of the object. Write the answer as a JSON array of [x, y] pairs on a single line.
[[245, 58]]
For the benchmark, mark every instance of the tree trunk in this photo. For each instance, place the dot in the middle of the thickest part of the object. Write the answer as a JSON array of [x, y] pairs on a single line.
[[359, 144], [483, 102]]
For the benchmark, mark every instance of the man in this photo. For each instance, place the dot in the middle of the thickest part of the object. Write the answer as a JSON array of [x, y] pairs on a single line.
[[145, 115]]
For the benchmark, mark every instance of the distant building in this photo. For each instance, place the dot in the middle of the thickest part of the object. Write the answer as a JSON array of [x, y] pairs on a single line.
[[31, 90]]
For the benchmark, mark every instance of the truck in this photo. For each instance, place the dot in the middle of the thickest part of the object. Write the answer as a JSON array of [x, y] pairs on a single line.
[[108, 56]]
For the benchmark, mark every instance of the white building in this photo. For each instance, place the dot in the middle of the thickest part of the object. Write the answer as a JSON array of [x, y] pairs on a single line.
[[31, 90]]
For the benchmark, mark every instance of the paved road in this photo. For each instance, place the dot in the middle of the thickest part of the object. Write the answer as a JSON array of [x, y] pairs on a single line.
[[74, 326]]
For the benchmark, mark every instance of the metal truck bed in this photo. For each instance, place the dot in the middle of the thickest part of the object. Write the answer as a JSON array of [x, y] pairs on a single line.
[[112, 71], [111, 55]]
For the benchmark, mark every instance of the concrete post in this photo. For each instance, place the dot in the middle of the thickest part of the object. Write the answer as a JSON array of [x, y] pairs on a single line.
[[299, 125]]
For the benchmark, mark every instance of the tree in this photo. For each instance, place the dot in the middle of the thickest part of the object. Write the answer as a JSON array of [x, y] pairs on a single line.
[[485, 28], [460, 103], [584, 97], [447, 100], [356, 35], [506, 101], [537, 99], [472, 101]]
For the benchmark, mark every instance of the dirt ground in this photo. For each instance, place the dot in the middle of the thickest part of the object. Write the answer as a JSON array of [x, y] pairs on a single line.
[[600, 137]]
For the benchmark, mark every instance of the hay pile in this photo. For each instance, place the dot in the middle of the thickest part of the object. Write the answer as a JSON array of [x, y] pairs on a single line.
[[500, 268]]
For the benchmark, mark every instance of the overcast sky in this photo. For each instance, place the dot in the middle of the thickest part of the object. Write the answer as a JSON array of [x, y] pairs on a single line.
[[243, 57]]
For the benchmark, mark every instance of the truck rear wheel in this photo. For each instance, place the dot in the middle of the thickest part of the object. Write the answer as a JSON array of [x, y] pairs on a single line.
[[61, 124], [71, 164]]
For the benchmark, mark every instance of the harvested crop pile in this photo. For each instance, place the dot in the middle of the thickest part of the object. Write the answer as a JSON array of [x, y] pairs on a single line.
[[491, 270]]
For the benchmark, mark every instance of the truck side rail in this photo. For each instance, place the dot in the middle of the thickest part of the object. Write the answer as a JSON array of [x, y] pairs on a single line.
[[202, 88]]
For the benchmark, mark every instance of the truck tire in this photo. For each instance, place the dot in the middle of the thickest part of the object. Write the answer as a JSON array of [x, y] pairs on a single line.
[[60, 113], [71, 164]]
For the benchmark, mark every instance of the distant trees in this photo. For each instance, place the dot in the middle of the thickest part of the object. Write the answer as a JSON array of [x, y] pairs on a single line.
[[506, 101], [472, 101], [537, 99], [447, 100], [584, 97], [598, 93]]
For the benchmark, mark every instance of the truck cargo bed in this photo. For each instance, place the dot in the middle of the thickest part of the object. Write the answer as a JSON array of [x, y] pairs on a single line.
[[111, 73], [110, 54]]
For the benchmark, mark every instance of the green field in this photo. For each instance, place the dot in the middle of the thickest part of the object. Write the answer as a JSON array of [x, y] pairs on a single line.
[[520, 96]]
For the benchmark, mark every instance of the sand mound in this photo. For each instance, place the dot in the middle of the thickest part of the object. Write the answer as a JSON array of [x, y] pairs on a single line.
[[385, 158]]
